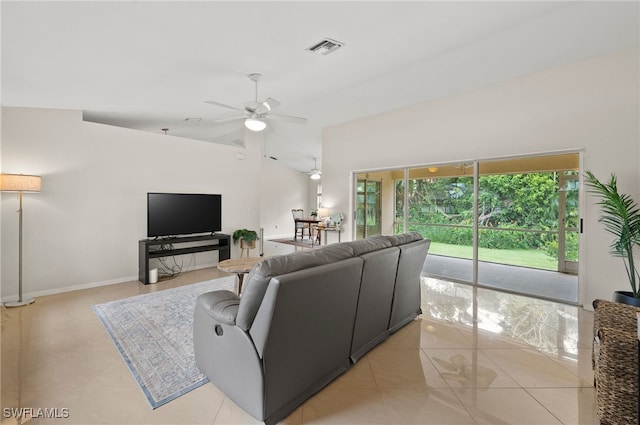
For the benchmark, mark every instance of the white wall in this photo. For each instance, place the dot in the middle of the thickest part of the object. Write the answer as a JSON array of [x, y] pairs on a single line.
[[591, 105], [83, 228], [312, 199], [283, 190]]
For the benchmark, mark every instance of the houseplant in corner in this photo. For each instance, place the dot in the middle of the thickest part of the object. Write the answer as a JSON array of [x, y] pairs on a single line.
[[246, 237], [620, 216]]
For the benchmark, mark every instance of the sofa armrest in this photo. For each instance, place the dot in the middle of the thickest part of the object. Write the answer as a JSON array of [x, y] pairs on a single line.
[[222, 306]]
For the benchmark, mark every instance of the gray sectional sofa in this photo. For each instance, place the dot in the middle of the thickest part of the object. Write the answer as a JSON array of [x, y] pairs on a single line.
[[304, 318]]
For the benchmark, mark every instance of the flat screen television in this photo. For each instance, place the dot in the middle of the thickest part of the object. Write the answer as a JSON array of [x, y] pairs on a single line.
[[173, 214]]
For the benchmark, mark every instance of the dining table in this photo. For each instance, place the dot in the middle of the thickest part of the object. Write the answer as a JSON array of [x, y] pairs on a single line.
[[308, 221]]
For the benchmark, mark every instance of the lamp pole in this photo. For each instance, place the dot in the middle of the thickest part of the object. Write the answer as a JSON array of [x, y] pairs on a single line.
[[20, 301], [19, 183]]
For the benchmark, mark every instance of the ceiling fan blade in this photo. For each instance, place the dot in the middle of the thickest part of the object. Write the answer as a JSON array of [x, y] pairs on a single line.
[[229, 119], [211, 102], [273, 103], [266, 106], [295, 120]]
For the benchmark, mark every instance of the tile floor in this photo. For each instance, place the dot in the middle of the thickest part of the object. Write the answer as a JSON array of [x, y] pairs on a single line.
[[474, 357]]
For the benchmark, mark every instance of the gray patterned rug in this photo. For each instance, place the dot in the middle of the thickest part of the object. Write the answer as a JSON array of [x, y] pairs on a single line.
[[305, 243], [154, 334]]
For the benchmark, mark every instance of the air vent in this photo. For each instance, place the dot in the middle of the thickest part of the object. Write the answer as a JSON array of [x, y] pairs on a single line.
[[325, 47]]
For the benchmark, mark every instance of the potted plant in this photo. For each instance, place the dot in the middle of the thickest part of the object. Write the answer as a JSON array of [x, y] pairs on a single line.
[[246, 237], [620, 216]]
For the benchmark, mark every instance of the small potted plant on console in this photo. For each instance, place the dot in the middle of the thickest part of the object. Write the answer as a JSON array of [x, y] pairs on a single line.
[[246, 237]]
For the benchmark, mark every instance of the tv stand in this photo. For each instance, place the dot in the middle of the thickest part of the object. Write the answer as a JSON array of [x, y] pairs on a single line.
[[152, 248]]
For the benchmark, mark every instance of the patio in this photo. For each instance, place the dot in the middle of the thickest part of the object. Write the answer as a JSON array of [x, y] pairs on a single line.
[[544, 284]]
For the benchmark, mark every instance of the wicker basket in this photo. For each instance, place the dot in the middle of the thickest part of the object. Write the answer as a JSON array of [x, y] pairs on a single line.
[[615, 361]]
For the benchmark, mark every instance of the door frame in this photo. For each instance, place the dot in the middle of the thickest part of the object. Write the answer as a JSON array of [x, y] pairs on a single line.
[[564, 265]]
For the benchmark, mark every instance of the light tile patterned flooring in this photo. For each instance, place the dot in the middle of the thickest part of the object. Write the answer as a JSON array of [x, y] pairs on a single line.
[[474, 357]]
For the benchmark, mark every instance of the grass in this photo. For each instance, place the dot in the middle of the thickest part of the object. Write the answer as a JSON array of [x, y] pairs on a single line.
[[516, 257]]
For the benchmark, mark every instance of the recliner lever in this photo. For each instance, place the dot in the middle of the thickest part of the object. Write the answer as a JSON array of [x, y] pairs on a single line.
[[218, 330]]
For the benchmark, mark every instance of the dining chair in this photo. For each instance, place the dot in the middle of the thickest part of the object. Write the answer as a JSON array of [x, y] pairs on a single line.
[[299, 227]]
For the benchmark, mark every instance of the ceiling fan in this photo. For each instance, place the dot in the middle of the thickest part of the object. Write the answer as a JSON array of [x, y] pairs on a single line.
[[256, 114], [315, 174]]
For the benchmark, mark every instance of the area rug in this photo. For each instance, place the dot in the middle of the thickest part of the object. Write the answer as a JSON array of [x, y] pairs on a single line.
[[154, 334], [305, 243]]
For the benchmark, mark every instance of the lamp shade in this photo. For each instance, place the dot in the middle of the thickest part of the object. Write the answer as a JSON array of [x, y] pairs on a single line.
[[19, 183], [255, 124]]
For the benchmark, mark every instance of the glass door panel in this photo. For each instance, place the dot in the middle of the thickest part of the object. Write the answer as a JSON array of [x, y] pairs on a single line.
[[440, 207], [518, 219], [368, 208], [522, 242], [569, 223]]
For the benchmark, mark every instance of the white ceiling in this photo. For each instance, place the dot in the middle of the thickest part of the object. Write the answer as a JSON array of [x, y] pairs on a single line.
[[149, 65]]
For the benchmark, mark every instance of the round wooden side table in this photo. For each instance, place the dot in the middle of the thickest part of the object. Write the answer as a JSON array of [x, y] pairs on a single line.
[[239, 266]]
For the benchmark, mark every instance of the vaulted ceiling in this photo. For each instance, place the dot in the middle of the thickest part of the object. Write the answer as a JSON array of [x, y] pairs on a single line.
[[151, 65]]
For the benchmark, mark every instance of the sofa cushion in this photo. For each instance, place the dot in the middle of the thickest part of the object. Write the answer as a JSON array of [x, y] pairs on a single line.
[[374, 300], [255, 284], [406, 294], [404, 238], [371, 244]]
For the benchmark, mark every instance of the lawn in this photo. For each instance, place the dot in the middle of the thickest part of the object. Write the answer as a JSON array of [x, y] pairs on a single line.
[[517, 257]]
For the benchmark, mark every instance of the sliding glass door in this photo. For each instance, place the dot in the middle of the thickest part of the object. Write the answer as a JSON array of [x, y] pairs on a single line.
[[524, 221]]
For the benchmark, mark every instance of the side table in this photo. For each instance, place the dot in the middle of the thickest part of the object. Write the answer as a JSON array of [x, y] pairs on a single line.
[[240, 266], [326, 229]]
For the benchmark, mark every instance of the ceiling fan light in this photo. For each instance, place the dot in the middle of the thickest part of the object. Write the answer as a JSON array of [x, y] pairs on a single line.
[[255, 124], [315, 175]]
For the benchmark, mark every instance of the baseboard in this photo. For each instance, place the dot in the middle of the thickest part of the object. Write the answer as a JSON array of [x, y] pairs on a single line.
[[62, 290], [90, 285], [268, 238]]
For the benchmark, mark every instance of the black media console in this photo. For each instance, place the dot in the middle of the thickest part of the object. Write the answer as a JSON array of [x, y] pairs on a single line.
[[153, 248]]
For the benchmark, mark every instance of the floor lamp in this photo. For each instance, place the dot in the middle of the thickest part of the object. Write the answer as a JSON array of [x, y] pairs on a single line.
[[19, 183]]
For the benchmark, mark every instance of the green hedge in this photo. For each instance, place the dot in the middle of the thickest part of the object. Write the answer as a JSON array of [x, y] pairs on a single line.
[[493, 239]]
